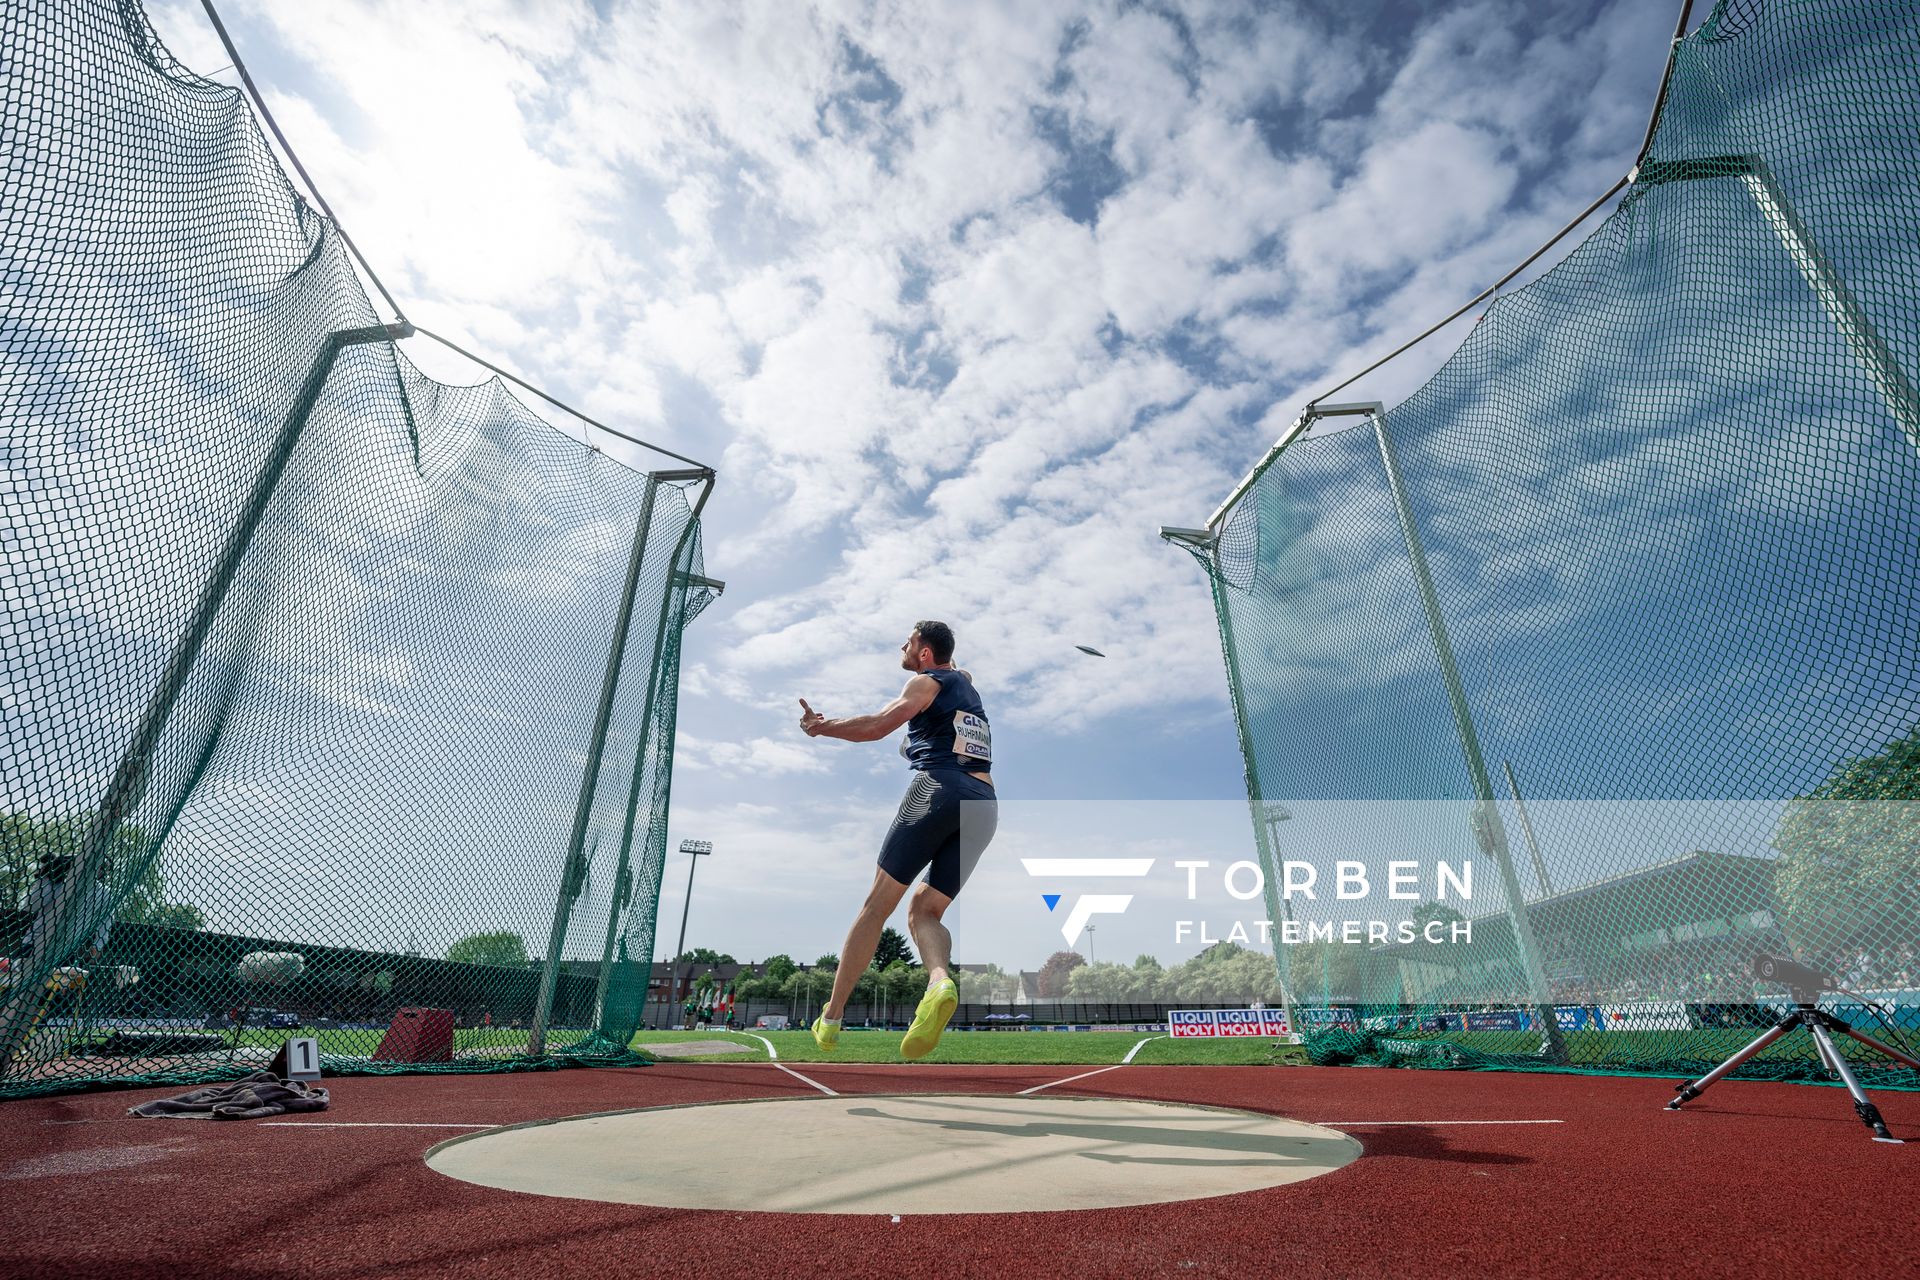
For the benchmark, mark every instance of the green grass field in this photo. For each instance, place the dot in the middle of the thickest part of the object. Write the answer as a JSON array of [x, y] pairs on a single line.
[[1046, 1048], [1623, 1051], [362, 1043]]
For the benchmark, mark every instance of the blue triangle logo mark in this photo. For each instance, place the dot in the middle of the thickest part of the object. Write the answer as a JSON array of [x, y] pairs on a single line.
[[1051, 899]]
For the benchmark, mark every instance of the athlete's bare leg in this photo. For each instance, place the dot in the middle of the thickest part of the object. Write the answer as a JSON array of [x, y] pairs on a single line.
[[929, 935], [863, 939]]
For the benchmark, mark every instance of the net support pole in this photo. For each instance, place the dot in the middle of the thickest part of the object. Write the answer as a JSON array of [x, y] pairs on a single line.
[[1862, 337], [622, 887], [678, 584], [1488, 828], [1263, 845], [573, 870], [1274, 814], [1526, 829], [623, 875], [66, 917], [659, 817]]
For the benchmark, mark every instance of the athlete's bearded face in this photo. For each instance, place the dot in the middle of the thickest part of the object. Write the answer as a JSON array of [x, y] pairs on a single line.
[[915, 656]]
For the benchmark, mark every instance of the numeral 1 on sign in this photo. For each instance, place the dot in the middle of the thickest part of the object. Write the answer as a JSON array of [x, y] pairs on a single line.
[[298, 1059]]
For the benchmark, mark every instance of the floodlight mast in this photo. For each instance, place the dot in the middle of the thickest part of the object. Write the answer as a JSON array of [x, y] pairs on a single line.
[[698, 849], [1526, 828]]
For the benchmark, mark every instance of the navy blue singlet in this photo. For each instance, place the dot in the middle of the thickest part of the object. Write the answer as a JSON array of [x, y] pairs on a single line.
[[952, 733]]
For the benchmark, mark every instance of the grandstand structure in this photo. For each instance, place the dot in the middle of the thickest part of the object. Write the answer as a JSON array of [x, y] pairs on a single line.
[[1710, 913]]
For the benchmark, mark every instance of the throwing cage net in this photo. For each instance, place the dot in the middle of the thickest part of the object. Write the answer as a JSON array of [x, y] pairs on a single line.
[[338, 702], [1616, 614]]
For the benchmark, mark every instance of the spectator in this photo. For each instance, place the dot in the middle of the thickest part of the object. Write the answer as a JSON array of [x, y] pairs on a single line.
[[45, 892]]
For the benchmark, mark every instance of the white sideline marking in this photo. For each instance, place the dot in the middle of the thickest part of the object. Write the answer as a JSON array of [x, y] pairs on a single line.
[[773, 1054], [797, 1076], [1337, 1123], [366, 1124], [1069, 1080], [837, 1066], [1129, 1058]]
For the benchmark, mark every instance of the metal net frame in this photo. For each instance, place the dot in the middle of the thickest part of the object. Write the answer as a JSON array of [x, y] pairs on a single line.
[[339, 702], [1618, 609]]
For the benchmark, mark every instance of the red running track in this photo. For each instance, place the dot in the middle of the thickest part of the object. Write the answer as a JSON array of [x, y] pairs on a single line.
[[1751, 1179]]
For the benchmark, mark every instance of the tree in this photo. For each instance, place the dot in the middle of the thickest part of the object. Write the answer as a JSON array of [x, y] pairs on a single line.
[[779, 968], [26, 840], [1848, 875], [1052, 981], [176, 915], [893, 946], [828, 962], [900, 982], [1100, 982], [1224, 973], [705, 955], [502, 950], [146, 903], [760, 988], [1323, 971], [807, 984], [980, 987]]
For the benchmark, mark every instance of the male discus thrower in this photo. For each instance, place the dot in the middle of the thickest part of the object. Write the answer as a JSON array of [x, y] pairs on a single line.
[[1806, 985]]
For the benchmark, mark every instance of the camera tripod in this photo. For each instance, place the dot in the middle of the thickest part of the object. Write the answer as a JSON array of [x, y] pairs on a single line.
[[1819, 1025]]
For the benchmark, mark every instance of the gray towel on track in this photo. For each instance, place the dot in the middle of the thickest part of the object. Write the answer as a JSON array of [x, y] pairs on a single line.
[[260, 1094]]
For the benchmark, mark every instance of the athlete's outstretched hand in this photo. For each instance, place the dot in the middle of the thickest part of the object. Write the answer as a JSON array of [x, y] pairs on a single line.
[[811, 720]]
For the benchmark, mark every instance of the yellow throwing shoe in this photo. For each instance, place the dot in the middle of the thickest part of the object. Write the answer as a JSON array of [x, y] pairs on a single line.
[[825, 1034], [929, 1020]]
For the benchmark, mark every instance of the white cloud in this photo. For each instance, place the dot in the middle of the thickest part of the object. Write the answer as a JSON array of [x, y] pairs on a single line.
[[758, 758], [831, 246]]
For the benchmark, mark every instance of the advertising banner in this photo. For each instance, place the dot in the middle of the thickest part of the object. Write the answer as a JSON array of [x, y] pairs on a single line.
[[1646, 1015], [1185, 1024]]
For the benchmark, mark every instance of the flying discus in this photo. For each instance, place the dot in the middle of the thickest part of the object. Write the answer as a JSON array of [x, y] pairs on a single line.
[[1089, 649]]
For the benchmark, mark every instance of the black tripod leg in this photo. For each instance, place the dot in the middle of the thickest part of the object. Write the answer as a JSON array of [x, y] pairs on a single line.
[[1862, 1105], [1693, 1089]]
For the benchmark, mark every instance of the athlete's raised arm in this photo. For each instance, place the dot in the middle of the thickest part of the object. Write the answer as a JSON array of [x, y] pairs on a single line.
[[915, 698]]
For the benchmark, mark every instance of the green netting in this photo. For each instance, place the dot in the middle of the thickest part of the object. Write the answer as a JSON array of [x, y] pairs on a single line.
[[307, 656], [1667, 502]]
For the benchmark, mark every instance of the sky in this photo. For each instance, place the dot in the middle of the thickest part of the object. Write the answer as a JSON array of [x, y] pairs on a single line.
[[962, 302]]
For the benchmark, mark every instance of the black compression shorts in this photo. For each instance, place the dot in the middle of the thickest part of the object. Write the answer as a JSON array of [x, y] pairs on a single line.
[[928, 834]]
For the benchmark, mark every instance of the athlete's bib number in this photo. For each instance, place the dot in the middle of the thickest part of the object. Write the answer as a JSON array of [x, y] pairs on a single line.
[[972, 739]]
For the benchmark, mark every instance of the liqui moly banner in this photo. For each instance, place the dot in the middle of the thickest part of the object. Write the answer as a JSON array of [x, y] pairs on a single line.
[[1185, 1024], [1320, 1019]]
